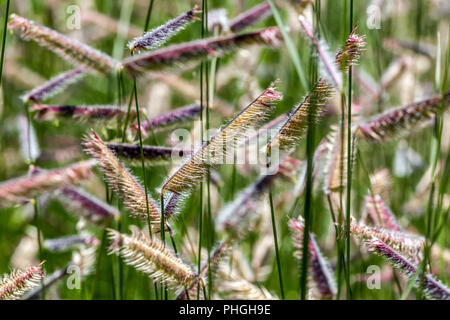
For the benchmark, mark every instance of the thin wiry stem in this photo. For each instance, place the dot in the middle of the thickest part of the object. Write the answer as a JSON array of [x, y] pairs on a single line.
[[38, 227], [200, 222], [275, 239], [143, 169], [5, 24], [349, 163]]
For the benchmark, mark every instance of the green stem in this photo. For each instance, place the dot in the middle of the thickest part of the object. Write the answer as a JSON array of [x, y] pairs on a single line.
[[142, 161], [38, 227], [274, 230], [349, 165], [5, 24], [309, 169]]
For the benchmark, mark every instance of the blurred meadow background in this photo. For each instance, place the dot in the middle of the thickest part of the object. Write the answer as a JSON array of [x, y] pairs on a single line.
[[405, 59]]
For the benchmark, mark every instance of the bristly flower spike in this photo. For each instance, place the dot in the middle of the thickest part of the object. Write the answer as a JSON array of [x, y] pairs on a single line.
[[216, 149], [381, 214], [432, 288], [154, 155], [122, 181], [399, 121], [20, 190], [251, 16], [157, 37], [54, 85], [167, 120], [324, 283], [351, 51], [19, 282], [93, 113], [86, 205], [69, 49], [199, 49], [296, 124], [152, 257], [407, 244]]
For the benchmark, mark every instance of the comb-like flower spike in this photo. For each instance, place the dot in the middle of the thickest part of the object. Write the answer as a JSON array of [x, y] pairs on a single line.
[[69, 49], [20, 190], [169, 119], [82, 113], [19, 282], [122, 181], [401, 120], [407, 244], [324, 283], [432, 288], [214, 151], [296, 124], [251, 16], [160, 35], [152, 257], [54, 85], [154, 155], [86, 205], [351, 52], [199, 49]]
